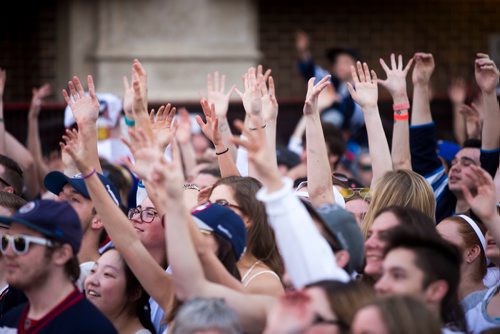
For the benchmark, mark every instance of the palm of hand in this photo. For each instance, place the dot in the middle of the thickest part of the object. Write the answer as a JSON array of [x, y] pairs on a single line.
[[162, 133], [269, 107], [220, 101], [366, 94], [86, 109], [396, 82], [145, 159]]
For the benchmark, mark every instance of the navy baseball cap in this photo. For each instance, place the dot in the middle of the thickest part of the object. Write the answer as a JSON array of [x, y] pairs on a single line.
[[55, 220], [55, 181], [223, 221]]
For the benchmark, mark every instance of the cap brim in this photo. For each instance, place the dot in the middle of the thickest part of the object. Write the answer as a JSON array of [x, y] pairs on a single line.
[[8, 220], [55, 181]]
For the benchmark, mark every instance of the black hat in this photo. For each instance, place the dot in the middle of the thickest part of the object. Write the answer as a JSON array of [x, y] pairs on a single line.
[[333, 53]]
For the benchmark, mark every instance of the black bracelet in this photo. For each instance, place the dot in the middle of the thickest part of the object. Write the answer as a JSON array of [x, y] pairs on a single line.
[[253, 129], [225, 151]]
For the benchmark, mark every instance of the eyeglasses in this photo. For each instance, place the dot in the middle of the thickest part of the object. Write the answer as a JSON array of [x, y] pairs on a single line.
[[320, 320], [349, 192], [146, 215], [364, 167], [340, 177], [4, 182], [225, 203], [20, 243]]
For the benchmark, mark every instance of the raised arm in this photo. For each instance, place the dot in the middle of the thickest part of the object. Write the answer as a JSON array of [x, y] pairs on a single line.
[[33, 140], [319, 173], [269, 109], [151, 276], [424, 66], [487, 76], [365, 93], [457, 93], [85, 109], [396, 85], [183, 136], [211, 129], [3, 78]]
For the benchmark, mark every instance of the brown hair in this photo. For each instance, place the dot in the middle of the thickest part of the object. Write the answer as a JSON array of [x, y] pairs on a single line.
[[405, 314], [470, 239], [11, 201], [260, 237], [402, 188]]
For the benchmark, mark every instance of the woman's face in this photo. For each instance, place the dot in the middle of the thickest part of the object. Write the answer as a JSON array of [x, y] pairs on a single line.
[[374, 245], [492, 250], [224, 195], [368, 321], [106, 284], [358, 207]]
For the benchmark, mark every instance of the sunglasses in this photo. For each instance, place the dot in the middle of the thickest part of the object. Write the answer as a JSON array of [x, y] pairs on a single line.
[[20, 243], [349, 192]]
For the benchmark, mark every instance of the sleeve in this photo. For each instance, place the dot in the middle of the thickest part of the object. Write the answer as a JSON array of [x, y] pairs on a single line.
[[242, 160], [307, 255], [490, 160], [308, 70]]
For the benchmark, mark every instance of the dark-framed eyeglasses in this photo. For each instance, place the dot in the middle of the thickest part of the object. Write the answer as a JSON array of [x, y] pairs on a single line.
[[20, 243], [147, 215], [7, 184], [225, 202], [320, 320]]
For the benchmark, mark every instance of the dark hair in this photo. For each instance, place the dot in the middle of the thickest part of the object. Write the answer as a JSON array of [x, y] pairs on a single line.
[[13, 174], [333, 139], [211, 170], [11, 201], [260, 237], [438, 259], [472, 143], [345, 299], [137, 297], [119, 177], [71, 267]]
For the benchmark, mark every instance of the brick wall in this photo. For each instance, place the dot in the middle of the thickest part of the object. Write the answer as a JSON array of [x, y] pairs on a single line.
[[453, 30]]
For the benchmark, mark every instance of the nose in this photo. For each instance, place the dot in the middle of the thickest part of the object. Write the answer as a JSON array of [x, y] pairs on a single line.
[[371, 242], [381, 286]]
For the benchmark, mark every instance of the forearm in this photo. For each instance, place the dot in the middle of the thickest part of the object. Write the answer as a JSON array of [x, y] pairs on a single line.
[[377, 143], [319, 174], [225, 131], [88, 132], [226, 163], [421, 112], [35, 148], [188, 157], [271, 139], [458, 126], [490, 134], [216, 272], [401, 158], [306, 254]]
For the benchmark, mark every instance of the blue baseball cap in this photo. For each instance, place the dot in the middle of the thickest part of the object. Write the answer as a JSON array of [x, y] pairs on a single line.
[[55, 181], [223, 221], [447, 149], [55, 220]]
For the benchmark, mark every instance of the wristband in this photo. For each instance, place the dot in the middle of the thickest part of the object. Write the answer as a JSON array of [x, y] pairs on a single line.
[[401, 106], [89, 174], [220, 153], [399, 117], [253, 129], [129, 122]]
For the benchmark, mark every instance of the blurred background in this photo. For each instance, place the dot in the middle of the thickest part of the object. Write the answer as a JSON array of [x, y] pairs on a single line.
[[180, 41]]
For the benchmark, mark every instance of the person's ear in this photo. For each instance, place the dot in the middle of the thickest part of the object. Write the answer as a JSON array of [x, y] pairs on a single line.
[[62, 254], [8, 189], [436, 291], [96, 223], [472, 253], [342, 257]]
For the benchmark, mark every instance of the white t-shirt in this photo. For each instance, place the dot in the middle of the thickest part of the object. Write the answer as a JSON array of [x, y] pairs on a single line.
[[478, 319]]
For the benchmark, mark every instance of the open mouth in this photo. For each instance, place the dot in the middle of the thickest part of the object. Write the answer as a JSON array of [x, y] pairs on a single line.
[[93, 293]]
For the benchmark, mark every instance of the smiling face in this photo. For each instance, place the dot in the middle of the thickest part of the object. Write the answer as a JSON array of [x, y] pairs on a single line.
[[105, 286], [152, 234], [374, 245], [492, 250]]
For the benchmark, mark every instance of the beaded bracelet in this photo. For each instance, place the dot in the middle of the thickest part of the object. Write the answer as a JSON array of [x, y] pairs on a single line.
[[401, 106]]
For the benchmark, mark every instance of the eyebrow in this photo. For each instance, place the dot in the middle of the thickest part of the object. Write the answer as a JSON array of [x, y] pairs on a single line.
[[111, 267]]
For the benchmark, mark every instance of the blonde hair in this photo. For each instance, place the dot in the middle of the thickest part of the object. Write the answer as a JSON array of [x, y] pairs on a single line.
[[402, 188]]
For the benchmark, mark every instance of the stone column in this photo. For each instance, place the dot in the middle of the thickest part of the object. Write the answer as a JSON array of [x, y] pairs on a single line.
[[178, 42]]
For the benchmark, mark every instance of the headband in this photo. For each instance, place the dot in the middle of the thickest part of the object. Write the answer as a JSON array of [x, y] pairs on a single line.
[[476, 229]]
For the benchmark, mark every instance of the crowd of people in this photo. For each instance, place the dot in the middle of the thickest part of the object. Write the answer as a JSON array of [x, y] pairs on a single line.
[[199, 230]]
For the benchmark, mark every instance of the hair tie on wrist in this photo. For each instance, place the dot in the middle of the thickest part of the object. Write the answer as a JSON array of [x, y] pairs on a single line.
[[89, 174], [129, 122], [401, 106], [225, 151], [399, 117], [253, 129]]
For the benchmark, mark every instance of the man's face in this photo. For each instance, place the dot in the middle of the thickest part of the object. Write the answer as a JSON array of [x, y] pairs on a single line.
[[31, 269], [342, 67], [82, 205], [460, 168], [400, 275], [152, 234]]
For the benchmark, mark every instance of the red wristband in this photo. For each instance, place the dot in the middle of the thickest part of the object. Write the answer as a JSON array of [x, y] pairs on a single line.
[[403, 117], [401, 106]]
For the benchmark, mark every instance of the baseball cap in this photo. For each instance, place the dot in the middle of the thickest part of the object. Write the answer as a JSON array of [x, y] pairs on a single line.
[[55, 181], [53, 219], [447, 149], [223, 221], [343, 226]]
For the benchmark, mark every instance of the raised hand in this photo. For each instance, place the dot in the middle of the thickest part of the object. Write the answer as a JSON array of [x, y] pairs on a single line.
[[269, 102], [365, 91], [216, 94], [457, 92], [473, 120], [211, 127], [291, 314], [167, 177], [146, 153], [251, 96], [38, 94], [396, 78], [161, 124], [139, 105], [483, 203], [73, 152], [301, 41], [85, 107], [183, 133], [128, 98], [486, 73], [424, 66], [313, 91]]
